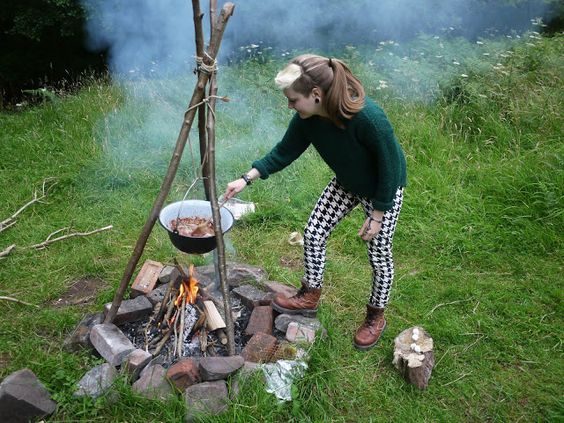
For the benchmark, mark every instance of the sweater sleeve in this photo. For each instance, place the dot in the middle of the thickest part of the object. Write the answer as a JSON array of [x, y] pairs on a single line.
[[377, 134], [292, 145]]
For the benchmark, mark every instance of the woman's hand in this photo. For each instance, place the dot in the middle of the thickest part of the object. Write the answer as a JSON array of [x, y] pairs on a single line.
[[371, 226], [234, 188]]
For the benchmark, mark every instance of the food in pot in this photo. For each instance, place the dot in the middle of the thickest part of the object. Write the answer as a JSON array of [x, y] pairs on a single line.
[[194, 226]]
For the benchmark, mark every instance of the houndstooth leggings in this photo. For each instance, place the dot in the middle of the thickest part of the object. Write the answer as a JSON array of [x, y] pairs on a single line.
[[333, 205]]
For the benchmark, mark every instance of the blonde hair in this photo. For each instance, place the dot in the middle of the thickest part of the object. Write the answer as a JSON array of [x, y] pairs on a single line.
[[343, 93], [287, 76]]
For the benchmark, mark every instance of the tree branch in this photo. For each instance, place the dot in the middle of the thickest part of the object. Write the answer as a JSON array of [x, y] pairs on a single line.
[[49, 241], [15, 300], [10, 221], [7, 251]]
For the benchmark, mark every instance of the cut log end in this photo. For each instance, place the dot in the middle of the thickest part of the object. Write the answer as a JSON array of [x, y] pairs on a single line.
[[413, 356]]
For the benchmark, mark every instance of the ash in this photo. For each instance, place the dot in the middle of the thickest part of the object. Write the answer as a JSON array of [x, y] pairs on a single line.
[[140, 336]]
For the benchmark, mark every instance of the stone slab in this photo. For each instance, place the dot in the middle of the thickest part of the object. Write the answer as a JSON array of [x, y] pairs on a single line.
[[146, 279], [184, 373], [97, 381], [278, 288], [153, 383], [206, 399], [260, 348], [168, 274], [157, 294], [251, 296], [261, 320], [110, 343], [237, 274], [135, 362], [131, 310], [218, 368], [298, 332], [283, 320], [80, 337], [24, 398]]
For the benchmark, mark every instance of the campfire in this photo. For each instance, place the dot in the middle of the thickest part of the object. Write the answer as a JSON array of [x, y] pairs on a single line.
[[186, 318]]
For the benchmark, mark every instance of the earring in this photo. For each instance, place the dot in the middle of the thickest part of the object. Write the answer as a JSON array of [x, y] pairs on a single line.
[[317, 100]]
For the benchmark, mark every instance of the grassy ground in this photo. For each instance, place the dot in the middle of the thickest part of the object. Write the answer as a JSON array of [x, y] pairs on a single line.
[[478, 248]]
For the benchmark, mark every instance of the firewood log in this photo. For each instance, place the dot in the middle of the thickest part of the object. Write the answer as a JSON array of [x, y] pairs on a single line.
[[413, 356]]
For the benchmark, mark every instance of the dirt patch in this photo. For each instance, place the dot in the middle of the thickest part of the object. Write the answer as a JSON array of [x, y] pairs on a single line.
[[82, 291], [293, 263]]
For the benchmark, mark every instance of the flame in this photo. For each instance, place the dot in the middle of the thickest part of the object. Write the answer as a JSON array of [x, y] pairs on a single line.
[[188, 289]]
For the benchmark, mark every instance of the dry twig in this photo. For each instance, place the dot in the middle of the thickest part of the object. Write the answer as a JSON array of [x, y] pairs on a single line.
[[10, 221], [7, 251], [15, 300], [48, 241], [456, 380], [445, 304]]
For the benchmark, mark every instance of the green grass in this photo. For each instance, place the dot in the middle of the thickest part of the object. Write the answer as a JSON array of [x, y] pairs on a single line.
[[478, 249]]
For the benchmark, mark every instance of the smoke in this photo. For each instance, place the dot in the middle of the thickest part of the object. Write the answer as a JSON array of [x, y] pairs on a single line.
[[152, 37], [151, 47]]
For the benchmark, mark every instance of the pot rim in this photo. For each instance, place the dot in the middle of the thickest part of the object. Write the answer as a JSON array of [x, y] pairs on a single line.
[[201, 203]]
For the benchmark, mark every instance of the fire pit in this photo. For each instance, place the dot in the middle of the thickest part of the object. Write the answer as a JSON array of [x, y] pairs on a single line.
[[192, 209]]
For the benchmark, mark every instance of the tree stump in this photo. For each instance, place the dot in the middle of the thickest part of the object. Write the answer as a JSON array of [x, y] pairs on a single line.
[[413, 356]]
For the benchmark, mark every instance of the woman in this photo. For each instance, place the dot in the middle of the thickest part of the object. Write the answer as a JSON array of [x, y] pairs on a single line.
[[354, 137]]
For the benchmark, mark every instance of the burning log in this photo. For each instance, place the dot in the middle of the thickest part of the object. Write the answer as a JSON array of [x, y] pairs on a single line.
[[214, 320]]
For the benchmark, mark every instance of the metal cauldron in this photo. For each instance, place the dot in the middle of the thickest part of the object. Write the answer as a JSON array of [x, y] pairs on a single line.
[[191, 208]]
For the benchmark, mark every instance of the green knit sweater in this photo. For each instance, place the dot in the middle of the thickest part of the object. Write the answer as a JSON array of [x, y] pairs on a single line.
[[365, 155]]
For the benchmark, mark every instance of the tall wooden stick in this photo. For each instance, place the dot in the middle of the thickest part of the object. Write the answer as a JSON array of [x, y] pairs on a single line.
[[217, 218], [197, 97], [199, 38]]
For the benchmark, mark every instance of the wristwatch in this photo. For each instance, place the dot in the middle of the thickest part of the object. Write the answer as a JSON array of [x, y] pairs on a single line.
[[247, 179]]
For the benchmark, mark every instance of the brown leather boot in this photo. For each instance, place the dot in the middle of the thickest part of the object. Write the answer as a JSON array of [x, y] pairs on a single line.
[[369, 332], [304, 302]]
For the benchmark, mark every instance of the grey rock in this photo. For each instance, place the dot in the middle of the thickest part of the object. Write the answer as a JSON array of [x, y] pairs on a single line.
[[96, 381], [135, 362], [168, 274], [157, 294], [23, 398], [217, 368], [110, 343], [283, 320], [298, 332], [131, 310], [80, 336], [153, 383], [205, 399], [278, 288], [237, 274], [251, 296]]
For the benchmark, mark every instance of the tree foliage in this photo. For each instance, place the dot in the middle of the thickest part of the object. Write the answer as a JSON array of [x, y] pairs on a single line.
[[44, 42]]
